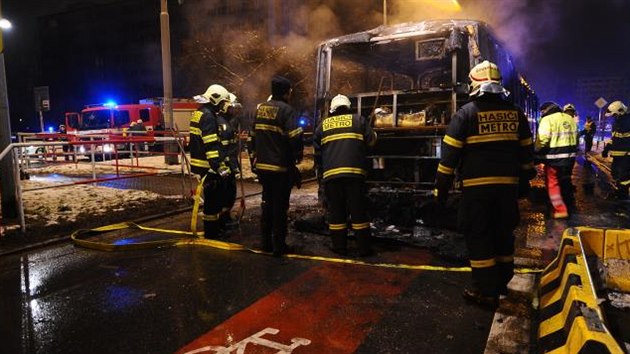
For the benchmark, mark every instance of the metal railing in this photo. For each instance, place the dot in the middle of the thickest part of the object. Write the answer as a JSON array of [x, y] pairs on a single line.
[[32, 152]]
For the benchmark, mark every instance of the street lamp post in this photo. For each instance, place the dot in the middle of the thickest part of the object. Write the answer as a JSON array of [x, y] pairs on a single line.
[[170, 148], [9, 195], [384, 12]]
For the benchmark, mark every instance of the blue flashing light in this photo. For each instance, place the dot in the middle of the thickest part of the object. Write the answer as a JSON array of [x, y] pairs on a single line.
[[302, 122], [51, 129], [110, 104]]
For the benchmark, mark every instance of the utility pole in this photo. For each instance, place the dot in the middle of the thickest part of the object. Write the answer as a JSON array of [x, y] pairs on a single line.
[[170, 148], [384, 12], [7, 177]]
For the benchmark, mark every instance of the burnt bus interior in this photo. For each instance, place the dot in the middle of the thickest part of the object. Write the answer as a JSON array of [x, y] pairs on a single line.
[[408, 80]]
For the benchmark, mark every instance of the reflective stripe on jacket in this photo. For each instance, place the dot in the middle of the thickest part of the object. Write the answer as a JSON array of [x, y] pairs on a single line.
[[204, 142], [489, 143], [340, 143], [557, 139], [276, 140], [620, 145]]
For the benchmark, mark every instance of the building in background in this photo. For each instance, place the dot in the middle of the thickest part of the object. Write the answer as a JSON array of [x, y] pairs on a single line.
[[589, 89]]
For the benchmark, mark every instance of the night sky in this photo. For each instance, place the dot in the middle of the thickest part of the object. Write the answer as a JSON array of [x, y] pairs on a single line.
[[554, 42]]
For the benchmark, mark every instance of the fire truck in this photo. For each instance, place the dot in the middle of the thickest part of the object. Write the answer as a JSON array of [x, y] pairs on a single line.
[[111, 121], [409, 79]]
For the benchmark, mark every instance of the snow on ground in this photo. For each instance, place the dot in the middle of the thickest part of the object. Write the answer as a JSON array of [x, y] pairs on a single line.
[[55, 202]]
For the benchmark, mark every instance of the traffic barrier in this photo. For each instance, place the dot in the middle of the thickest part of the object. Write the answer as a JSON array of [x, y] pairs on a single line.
[[570, 318]]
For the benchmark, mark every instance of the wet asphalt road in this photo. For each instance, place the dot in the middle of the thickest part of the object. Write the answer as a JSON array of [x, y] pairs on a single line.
[[67, 299]]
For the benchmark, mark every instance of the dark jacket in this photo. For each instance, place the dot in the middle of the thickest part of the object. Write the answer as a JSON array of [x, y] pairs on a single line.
[[620, 145], [341, 143], [489, 143], [204, 141], [276, 139], [229, 143]]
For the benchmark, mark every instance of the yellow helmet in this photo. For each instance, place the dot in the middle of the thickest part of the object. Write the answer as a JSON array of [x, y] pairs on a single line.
[[485, 77], [338, 101], [215, 94], [616, 108]]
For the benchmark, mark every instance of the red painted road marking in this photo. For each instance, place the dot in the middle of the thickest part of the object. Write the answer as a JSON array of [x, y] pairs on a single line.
[[333, 306]]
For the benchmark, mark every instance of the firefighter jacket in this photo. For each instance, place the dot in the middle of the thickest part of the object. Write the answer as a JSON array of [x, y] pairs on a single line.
[[589, 129], [489, 143], [204, 141], [276, 143], [620, 145], [556, 144], [228, 138], [340, 144]]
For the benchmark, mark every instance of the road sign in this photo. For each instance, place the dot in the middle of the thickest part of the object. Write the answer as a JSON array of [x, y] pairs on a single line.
[[600, 102], [42, 99]]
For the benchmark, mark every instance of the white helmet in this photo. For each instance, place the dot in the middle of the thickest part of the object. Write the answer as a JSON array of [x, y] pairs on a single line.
[[485, 77], [338, 101], [234, 101], [215, 94], [616, 108]]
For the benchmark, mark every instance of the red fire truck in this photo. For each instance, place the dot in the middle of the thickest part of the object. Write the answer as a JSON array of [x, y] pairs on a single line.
[[110, 121]]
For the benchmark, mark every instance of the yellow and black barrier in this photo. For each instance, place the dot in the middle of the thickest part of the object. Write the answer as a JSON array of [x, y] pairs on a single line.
[[571, 320]]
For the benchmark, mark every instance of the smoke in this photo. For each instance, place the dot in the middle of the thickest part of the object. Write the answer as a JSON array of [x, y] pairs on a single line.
[[241, 44], [267, 38]]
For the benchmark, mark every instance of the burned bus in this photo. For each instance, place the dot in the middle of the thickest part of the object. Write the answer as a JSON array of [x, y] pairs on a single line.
[[409, 79]]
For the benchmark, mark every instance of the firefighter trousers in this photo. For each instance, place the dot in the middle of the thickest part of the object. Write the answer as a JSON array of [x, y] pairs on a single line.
[[620, 170], [346, 198], [212, 204], [229, 198], [488, 222], [275, 204], [559, 189]]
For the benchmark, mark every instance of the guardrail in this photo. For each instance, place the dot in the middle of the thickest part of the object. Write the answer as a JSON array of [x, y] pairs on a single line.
[[22, 160], [571, 320]]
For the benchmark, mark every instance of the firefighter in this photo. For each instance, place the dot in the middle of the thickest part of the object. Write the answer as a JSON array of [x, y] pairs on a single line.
[[556, 147], [489, 144], [63, 136], [276, 147], [341, 142], [206, 159], [228, 128], [138, 130], [590, 128], [569, 109], [619, 148]]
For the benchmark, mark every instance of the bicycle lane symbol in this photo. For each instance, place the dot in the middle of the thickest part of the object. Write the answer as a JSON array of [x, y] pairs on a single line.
[[255, 339]]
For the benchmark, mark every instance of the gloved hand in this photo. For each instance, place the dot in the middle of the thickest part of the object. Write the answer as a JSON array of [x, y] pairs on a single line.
[[252, 165], [523, 187], [443, 184], [296, 177], [224, 171]]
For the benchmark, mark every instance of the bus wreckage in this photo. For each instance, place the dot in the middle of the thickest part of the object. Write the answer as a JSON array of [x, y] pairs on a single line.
[[409, 79]]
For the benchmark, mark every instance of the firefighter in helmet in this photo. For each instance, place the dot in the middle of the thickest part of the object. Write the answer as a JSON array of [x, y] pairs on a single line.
[[619, 147], [569, 109], [341, 142], [206, 159], [228, 128], [489, 144], [556, 147], [276, 147], [63, 136]]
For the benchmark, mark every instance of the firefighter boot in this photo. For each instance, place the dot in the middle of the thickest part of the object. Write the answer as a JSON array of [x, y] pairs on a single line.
[[280, 246], [339, 240], [364, 242], [211, 229], [265, 229]]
